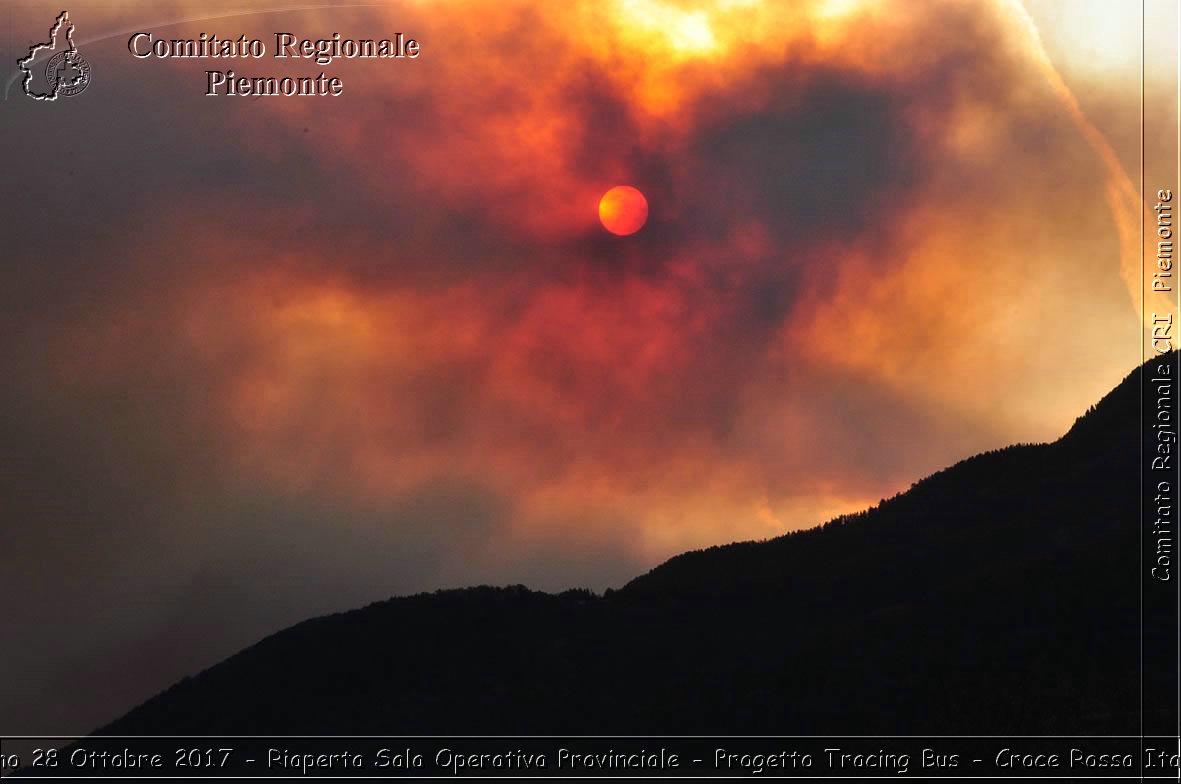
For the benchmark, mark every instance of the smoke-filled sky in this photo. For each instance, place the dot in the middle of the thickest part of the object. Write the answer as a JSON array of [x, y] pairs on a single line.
[[266, 359]]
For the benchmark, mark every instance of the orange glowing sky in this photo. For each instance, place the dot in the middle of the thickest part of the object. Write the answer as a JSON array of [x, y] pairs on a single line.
[[382, 343], [840, 217]]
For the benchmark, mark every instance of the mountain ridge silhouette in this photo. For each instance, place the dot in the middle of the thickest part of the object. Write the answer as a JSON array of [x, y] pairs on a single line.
[[997, 596]]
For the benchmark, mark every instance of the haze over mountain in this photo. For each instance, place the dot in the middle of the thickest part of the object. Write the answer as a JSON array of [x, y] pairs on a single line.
[[998, 596]]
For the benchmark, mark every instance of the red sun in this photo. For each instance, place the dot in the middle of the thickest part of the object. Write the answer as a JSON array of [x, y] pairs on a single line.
[[623, 210]]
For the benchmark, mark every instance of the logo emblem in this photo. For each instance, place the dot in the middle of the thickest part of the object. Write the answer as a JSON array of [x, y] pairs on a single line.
[[67, 72]]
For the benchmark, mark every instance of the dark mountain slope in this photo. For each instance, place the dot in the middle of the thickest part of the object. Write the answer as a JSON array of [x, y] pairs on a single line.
[[998, 596]]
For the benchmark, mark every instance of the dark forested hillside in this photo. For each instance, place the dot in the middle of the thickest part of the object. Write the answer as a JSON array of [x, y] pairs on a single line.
[[998, 596]]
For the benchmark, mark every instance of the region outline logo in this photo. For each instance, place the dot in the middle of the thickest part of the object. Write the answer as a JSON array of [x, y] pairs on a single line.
[[67, 73]]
